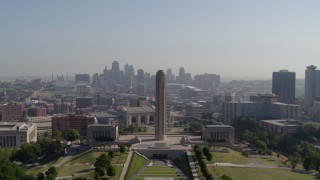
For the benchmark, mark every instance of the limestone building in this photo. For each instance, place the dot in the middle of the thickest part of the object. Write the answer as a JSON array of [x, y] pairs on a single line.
[[219, 133], [15, 135], [160, 111], [99, 134]]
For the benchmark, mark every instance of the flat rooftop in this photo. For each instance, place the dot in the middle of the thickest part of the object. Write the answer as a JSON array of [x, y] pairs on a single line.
[[218, 126], [282, 122]]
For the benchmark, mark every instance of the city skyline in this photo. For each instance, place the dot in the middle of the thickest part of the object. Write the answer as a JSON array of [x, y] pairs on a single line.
[[246, 39]]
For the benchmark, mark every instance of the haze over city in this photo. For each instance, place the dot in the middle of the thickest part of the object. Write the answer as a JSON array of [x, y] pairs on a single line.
[[241, 39]]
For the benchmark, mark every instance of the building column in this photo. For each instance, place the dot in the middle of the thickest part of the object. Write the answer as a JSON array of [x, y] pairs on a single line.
[[148, 119], [139, 120], [129, 122]]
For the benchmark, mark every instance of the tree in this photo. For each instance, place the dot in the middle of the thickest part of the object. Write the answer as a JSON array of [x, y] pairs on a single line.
[[111, 171], [102, 161], [209, 177], [59, 136], [195, 127], [27, 153], [96, 175], [129, 145], [294, 160], [50, 177], [52, 171], [205, 150], [111, 154], [245, 153], [4, 154], [40, 176], [307, 163], [71, 135], [261, 145], [209, 157], [225, 177], [241, 124], [122, 149], [100, 171], [10, 171], [269, 152]]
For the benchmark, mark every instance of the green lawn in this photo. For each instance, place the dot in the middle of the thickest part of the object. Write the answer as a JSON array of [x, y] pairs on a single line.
[[231, 157], [69, 170], [182, 163], [86, 157], [90, 157], [72, 170], [258, 173], [136, 163], [270, 161], [43, 167]]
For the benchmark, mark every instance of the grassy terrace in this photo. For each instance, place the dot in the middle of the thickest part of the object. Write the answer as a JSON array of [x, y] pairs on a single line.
[[136, 163], [159, 171], [44, 166], [82, 163], [258, 173], [90, 157]]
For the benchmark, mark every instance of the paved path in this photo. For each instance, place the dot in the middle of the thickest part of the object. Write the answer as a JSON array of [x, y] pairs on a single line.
[[192, 166], [126, 165]]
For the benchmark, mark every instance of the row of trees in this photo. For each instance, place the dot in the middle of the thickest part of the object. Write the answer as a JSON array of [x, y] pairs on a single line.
[[132, 129], [202, 163], [203, 166]]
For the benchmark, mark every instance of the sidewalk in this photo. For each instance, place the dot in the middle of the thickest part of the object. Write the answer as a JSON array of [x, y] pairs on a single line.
[[193, 166], [126, 165]]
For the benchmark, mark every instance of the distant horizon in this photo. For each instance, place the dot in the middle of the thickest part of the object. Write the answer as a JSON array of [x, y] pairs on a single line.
[[72, 78], [230, 38]]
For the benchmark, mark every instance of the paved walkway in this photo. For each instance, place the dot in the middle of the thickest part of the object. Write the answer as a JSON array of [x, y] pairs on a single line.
[[126, 165], [193, 166]]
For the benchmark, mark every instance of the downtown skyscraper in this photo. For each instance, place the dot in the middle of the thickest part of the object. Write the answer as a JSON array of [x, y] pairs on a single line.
[[312, 86], [284, 86]]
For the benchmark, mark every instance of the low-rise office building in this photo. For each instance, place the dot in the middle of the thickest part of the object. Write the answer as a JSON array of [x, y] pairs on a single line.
[[260, 107], [219, 133], [280, 127], [15, 135], [100, 134]]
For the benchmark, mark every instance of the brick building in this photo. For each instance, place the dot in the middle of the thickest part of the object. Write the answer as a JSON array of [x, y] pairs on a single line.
[[37, 112], [64, 122], [12, 111]]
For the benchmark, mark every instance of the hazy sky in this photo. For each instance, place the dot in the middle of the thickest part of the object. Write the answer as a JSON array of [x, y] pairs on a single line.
[[230, 38]]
